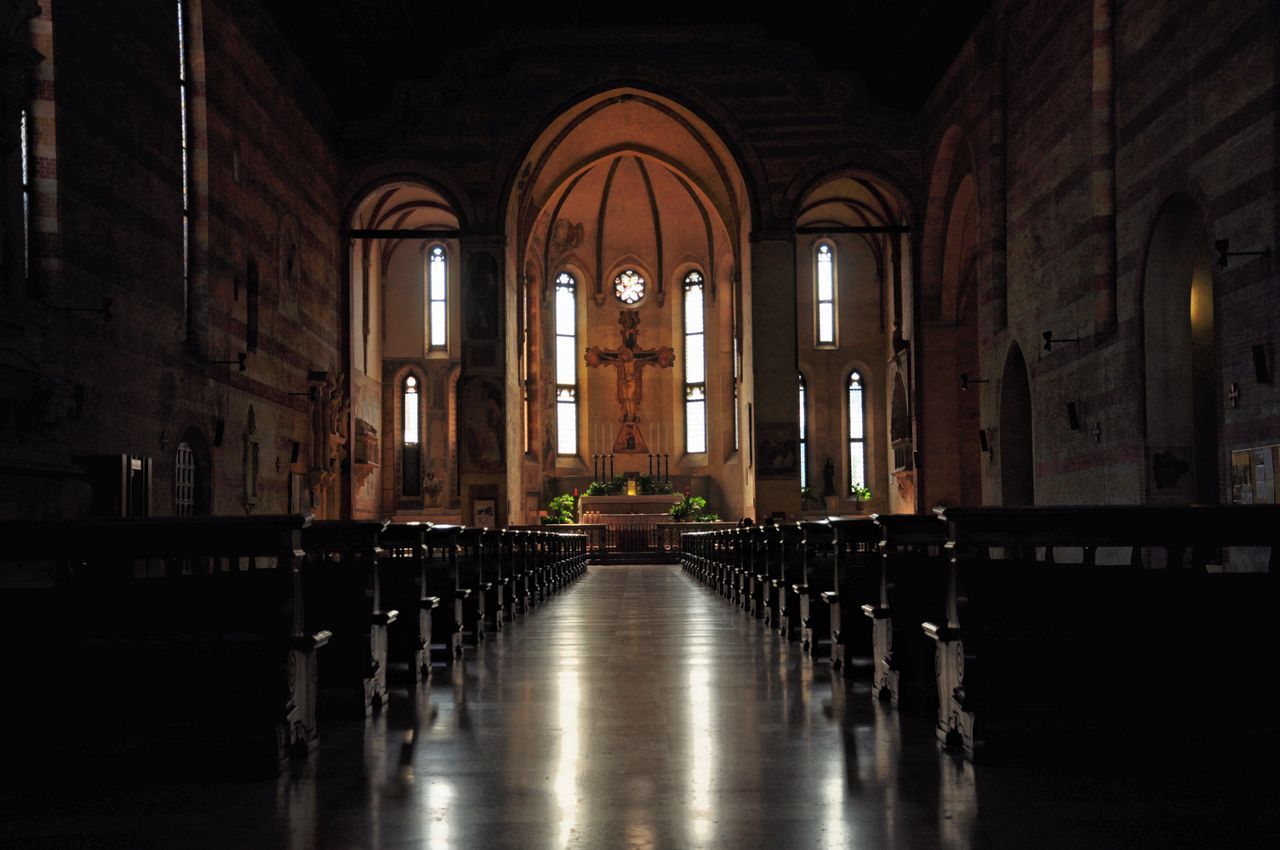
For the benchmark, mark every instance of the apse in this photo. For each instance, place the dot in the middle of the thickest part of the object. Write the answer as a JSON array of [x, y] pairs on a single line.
[[628, 221]]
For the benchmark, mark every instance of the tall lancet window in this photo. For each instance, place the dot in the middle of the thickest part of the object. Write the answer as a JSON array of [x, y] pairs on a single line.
[[695, 370], [410, 443], [825, 294], [804, 438], [566, 364], [437, 299], [183, 102], [857, 433], [24, 141]]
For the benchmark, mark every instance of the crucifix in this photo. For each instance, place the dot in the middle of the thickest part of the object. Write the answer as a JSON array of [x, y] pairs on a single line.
[[629, 360]]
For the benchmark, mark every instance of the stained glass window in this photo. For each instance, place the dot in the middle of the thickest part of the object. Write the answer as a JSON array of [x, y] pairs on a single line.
[[804, 438], [566, 317], [437, 299], [183, 100], [410, 446], [857, 433], [628, 286], [25, 144], [825, 292], [695, 372]]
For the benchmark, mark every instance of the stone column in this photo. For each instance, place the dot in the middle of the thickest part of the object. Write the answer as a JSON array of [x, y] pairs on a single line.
[[482, 387], [774, 391]]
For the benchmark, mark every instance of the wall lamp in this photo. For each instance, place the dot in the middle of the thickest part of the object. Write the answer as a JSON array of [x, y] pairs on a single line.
[[1049, 340], [239, 361], [1224, 251], [965, 381]]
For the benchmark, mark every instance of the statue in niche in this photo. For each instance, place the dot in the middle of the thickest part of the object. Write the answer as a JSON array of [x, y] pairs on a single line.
[[432, 487]]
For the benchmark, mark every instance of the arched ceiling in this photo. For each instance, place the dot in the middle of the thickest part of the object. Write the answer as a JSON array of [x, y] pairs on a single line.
[[404, 205], [629, 174], [854, 200]]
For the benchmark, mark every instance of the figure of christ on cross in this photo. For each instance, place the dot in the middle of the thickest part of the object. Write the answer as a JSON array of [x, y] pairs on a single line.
[[629, 360]]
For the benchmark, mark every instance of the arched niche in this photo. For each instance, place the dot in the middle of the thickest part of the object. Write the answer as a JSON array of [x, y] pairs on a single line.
[[1017, 452], [1180, 359]]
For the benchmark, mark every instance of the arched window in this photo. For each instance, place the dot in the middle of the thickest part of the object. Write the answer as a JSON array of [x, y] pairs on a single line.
[[857, 433], [24, 142], [184, 480], [695, 371], [437, 299], [566, 364], [183, 101], [804, 438], [825, 294], [410, 445]]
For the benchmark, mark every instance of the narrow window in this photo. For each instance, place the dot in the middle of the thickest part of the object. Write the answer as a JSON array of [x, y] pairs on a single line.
[[695, 372], [183, 99], [804, 439], [825, 290], [737, 415], [438, 299], [857, 431], [24, 142], [566, 364], [411, 463], [184, 480]]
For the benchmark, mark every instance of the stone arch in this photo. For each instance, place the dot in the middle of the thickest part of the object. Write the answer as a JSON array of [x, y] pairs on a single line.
[[1180, 358], [1017, 437]]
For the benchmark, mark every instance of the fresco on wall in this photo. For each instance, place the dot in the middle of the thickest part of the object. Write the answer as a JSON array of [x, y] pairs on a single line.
[[480, 417]]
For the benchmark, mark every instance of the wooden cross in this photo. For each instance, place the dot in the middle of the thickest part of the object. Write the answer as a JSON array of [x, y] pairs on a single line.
[[1233, 395], [629, 360]]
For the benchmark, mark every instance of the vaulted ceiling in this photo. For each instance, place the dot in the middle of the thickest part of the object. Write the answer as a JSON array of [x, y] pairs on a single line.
[[359, 50]]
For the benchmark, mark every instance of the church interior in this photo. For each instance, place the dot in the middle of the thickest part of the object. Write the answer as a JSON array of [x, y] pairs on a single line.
[[382, 264]]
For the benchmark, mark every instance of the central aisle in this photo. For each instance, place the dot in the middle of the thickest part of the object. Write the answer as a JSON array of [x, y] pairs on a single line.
[[637, 709]]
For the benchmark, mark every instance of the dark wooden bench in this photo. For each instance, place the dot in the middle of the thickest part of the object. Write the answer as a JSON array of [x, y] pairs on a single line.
[[144, 642], [818, 558], [403, 567], [474, 589], [856, 578], [790, 572], [1034, 649], [912, 590], [342, 591]]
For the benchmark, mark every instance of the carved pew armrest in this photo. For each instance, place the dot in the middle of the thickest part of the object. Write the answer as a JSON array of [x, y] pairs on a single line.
[[939, 633], [875, 612], [429, 602], [384, 618], [830, 597], [312, 642]]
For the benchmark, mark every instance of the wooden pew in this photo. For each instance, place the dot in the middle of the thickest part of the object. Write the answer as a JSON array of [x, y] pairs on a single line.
[[473, 586], [403, 565], [1034, 649], [912, 590], [440, 578], [343, 590], [757, 569], [175, 642], [790, 572], [819, 576], [856, 547]]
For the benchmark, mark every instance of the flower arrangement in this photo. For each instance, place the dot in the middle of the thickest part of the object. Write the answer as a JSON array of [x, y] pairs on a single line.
[[861, 493]]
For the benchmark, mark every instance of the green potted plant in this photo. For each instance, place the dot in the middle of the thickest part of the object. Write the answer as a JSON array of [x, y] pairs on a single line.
[[560, 510], [860, 494]]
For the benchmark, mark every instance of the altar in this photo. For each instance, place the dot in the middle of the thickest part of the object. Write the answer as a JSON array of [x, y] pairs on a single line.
[[631, 522], [658, 503]]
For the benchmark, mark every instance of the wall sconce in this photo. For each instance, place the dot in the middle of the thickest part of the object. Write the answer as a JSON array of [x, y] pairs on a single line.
[[1224, 251], [1097, 432], [1049, 340], [965, 381], [103, 311], [1073, 416], [985, 444], [239, 361]]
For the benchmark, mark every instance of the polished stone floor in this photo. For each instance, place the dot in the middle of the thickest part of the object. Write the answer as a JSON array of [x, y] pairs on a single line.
[[636, 709]]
